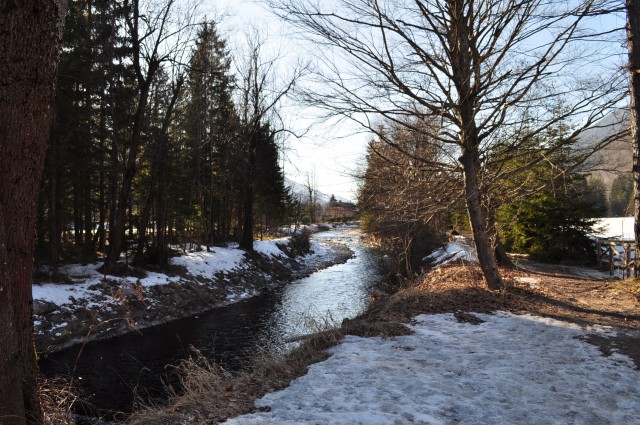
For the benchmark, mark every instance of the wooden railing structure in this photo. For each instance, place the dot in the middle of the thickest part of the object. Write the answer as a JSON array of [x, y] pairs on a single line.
[[616, 254]]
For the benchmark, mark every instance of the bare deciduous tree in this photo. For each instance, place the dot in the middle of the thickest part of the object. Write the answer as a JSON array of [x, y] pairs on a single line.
[[403, 198], [493, 73], [30, 37], [311, 184], [262, 92]]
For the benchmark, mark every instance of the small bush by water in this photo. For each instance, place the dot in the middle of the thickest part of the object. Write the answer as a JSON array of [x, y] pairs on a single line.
[[405, 245], [299, 244]]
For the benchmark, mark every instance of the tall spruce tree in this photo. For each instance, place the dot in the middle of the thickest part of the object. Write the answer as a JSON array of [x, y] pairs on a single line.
[[211, 128], [270, 191], [553, 221], [151, 184], [92, 104]]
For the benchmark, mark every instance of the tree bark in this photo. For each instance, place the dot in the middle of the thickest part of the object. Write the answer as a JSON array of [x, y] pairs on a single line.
[[484, 247], [30, 37], [465, 77], [633, 44]]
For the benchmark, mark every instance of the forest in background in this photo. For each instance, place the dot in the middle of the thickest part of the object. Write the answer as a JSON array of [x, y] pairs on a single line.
[[410, 209], [156, 141]]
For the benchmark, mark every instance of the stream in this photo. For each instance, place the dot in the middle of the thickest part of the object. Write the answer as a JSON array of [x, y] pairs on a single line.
[[113, 372]]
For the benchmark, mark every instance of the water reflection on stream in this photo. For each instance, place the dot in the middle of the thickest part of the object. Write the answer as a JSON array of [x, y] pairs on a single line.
[[110, 372]]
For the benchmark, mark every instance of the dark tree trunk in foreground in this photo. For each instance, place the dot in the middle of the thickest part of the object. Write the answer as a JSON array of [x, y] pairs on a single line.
[[633, 43], [30, 36]]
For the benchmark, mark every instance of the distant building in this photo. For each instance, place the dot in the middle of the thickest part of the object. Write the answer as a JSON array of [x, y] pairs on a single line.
[[339, 209]]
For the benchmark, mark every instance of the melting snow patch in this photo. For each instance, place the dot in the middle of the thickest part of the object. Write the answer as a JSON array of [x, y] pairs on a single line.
[[510, 369], [458, 250], [270, 247], [63, 294], [529, 280], [206, 264]]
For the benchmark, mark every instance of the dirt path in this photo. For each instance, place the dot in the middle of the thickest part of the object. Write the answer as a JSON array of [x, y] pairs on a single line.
[[565, 293], [572, 294]]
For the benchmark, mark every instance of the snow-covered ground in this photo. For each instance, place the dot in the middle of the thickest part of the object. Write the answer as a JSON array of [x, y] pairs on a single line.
[[508, 370], [460, 249], [614, 228], [84, 291]]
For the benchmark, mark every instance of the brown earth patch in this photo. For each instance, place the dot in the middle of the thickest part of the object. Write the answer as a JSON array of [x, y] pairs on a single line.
[[549, 291]]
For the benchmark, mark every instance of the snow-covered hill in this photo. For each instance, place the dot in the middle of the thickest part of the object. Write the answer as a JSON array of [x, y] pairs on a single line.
[[301, 189]]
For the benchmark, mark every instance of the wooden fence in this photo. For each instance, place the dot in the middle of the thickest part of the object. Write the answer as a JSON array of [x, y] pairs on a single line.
[[616, 254]]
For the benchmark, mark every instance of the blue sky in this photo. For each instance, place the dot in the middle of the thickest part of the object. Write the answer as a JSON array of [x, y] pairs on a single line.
[[331, 151]]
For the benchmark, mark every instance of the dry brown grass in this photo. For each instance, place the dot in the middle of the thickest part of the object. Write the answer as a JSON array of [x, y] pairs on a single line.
[[57, 399], [628, 285], [211, 394], [445, 290]]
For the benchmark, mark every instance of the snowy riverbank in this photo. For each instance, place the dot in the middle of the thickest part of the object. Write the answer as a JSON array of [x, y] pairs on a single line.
[[498, 368], [549, 348], [89, 305]]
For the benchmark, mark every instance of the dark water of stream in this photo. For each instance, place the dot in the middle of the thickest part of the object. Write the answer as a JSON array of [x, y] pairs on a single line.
[[110, 373]]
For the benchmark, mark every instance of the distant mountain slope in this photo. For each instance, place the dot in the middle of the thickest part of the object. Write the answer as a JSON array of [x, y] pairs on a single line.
[[301, 189], [616, 158]]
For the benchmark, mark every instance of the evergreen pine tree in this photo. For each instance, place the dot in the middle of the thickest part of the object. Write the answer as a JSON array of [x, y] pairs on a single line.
[[621, 196], [210, 125]]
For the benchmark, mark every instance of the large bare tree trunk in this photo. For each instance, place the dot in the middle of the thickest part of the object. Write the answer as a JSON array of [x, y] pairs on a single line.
[[465, 70], [479, 222], [30, 36], [633, 43]]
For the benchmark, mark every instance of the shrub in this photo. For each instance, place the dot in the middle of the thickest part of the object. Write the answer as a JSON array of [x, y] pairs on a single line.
[[406, 244], [300, 242], [551, 229]]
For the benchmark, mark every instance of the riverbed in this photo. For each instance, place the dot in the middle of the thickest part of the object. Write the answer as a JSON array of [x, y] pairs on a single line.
[[113, 373]]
